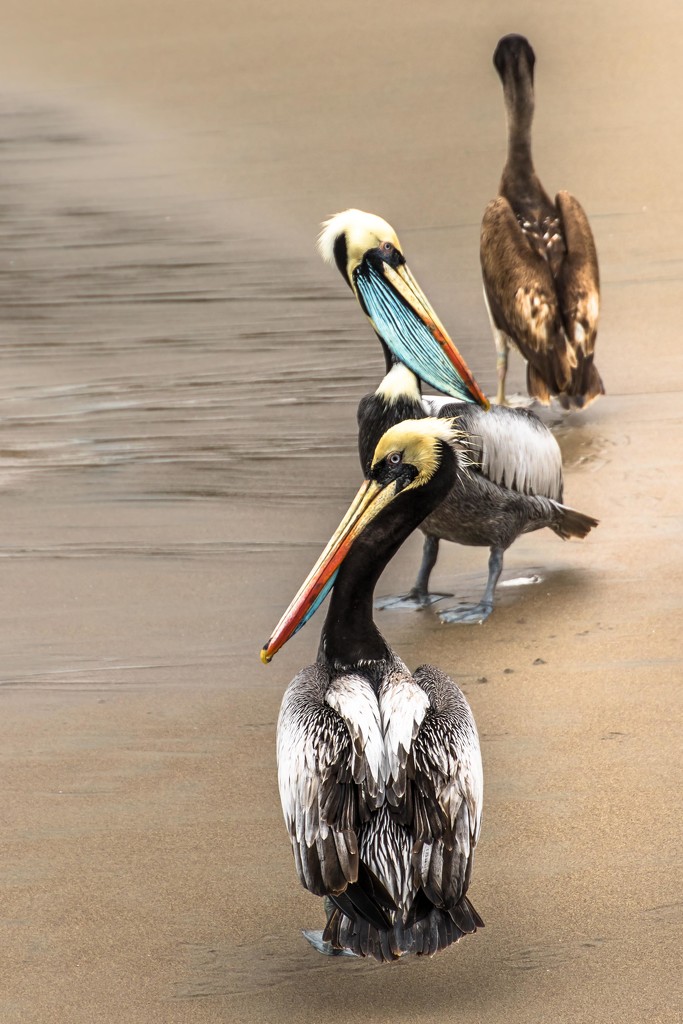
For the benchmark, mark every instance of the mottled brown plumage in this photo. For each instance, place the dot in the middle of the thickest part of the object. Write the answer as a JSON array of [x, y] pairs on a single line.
[[538, 259]]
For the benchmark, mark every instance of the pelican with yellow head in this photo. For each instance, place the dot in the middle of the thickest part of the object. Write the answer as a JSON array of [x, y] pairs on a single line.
[[379, 768], [514, 484]]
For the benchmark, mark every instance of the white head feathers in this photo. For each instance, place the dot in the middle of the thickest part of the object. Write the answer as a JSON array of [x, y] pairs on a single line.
[[362, 231]]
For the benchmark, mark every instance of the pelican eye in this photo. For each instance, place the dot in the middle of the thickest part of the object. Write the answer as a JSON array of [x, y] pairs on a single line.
[[393, 469], [385, 253]]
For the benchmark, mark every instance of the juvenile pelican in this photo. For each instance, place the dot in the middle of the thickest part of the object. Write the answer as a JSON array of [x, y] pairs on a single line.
[[538, 259], [513, 481], [379, 769]]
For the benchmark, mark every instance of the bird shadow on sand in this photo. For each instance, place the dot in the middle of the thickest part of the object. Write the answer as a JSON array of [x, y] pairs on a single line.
[[269, 970]]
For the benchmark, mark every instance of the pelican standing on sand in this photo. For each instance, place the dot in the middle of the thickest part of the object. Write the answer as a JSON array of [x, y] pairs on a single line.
[[379, 768], [538, 259], [511, 476], [416, 345]]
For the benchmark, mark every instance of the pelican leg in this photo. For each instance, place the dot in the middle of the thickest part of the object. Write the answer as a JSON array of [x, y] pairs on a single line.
[[323, 946], [318, 940], [479, 612], [419, 596], [502, 350], [420, 593]]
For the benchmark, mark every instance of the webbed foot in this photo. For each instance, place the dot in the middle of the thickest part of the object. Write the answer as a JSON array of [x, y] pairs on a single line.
[[413, 601], [323, 946], [467, 614]]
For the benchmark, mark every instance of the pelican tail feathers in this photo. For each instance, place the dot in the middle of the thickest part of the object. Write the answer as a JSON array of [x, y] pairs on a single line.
[[434, 930], [571, 523]]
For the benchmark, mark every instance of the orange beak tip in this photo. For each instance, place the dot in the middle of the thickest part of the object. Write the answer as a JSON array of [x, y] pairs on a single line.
[[265, 656]]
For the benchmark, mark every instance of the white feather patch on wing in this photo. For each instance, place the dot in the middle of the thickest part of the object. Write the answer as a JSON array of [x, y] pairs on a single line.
[[587, 310], [537, 314], [354, 700], [516, 450], [403, 705], [593, 307]]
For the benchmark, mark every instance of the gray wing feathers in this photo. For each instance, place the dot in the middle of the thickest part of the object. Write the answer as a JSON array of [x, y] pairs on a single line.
[[512, 448], [447, 775], [443, 867], [403, 706], [382, 798], [315, 775]]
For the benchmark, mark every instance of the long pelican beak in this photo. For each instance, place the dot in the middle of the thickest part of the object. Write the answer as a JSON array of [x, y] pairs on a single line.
[[402, 315], [370, 500]]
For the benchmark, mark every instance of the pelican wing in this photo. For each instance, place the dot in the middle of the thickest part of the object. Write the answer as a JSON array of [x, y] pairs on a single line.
[[329, 751], [579, 277], [510, 447], [448, 785], [520, 290], [518, 280]]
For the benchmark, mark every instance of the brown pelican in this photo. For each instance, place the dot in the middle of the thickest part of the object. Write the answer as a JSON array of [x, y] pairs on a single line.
[[513, 481], [379, 768], [538, 259]]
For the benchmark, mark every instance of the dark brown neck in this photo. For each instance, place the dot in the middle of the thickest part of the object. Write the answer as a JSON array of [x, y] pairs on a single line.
[[519, 109]]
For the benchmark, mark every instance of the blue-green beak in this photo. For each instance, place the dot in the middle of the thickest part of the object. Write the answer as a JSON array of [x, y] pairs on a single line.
[[403, 317]]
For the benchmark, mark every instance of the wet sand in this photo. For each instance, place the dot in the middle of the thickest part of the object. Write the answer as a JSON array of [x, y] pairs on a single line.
[[180, 377]]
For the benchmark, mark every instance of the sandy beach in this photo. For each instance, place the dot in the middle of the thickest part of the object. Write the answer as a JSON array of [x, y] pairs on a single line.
[[177, 441]]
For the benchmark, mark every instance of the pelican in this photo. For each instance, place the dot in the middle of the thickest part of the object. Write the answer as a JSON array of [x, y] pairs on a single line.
[[511, 480], [379, 769], [538, 259]]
